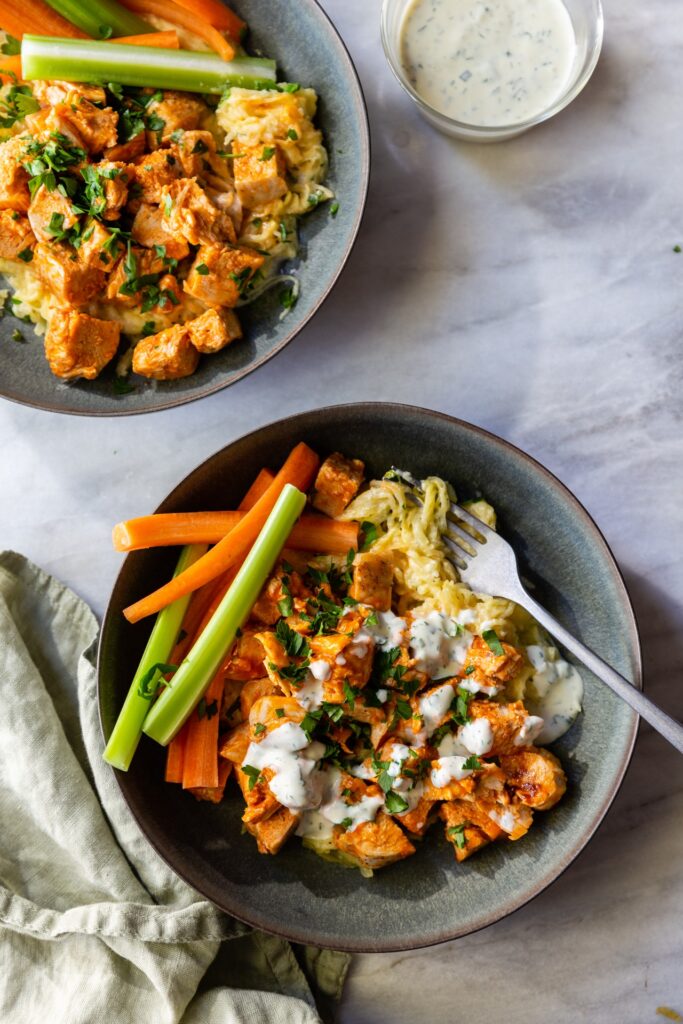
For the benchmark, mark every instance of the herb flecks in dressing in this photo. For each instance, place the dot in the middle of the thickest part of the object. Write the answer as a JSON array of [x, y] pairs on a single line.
[[488, 62]]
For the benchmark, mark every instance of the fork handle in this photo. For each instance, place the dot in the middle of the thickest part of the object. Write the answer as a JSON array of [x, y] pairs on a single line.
[[666, 726]]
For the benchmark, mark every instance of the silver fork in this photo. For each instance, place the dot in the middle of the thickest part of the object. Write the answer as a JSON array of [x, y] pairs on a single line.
[[488, 565]]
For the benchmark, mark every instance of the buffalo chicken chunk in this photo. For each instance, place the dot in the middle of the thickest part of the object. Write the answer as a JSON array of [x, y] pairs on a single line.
[[178, 110], [73, 282], [337, 483], [77, 345], [536, 777], [50, 213], [214, 329], [190, 214], [150, 228], [168, 355], [273, 833], [374, 843], [373, 579], [14, 193], [153, 172], [219, 274], [15, 234], [259, 174], [95, 126], [501, 667]]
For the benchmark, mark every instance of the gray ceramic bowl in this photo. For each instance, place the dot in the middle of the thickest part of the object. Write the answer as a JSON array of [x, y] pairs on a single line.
[[427, 898], [308, 50]]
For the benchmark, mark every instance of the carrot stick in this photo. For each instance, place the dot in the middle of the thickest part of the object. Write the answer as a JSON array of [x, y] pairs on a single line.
[[204, 601], [175, 757], [299, 470], [200, 763], [162, 40], [218, 15], [311, 533], [35, 17], [177, 15], [257, 490], [10, 68]]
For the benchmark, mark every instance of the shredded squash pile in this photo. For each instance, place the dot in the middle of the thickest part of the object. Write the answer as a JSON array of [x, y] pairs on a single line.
[[425, 579]]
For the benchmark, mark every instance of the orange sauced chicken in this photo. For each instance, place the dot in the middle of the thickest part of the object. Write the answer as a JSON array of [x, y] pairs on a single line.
[[360, 722], [147, 217]]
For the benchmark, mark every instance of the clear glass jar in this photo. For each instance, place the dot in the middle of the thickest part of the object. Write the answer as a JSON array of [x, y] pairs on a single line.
[[588, 23]]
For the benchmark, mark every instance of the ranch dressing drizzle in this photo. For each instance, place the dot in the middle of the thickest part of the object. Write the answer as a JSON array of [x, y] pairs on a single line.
[[559, 692], [488, 62]]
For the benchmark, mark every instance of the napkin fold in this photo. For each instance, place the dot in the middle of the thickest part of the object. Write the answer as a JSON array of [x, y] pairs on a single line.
[[93, 925]]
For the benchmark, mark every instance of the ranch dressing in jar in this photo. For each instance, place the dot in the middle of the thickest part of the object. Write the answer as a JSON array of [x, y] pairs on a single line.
[[488, 63]]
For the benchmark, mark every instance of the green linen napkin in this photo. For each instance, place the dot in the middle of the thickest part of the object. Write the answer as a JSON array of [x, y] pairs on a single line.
[[93, 925]]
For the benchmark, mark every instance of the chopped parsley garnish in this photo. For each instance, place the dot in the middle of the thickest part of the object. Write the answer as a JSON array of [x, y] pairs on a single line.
[[457, 834], [253, 774], [26, 255], [394, 803], [493, 643], [132, 106], [268, 153], [168, 205], [293, 134], [677, 248], [50, 163], [16, 104], [122, 386], [280, 712], [370, 535], [17, 335], [11, 46], [201, 269], [469, 670], [260, 728], [404, 710], [294, 674], [334, 209], [295, 645], [288, 298], [385, 667], [350, 694], [286, 604], [310, 721], [346, 823], [335, 712], [460, 706], [472, 763], [152, 678]]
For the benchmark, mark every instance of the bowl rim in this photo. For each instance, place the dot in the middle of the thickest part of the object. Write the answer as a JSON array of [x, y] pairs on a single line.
[[295, 933], [364, 163], [474, 132]]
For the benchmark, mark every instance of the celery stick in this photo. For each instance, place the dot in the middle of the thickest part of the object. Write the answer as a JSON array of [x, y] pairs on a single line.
[[189, 683], [128, 729], [101, 18], [80, 60]]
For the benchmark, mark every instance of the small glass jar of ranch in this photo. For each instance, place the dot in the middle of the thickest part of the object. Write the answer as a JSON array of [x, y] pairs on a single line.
[[487, 70]]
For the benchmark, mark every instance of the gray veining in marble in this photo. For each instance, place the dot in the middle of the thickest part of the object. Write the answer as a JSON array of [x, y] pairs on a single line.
[[531, 288]]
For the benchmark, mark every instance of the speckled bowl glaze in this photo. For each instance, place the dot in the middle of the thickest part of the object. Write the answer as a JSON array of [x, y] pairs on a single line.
[[427, 898], [308, 50]]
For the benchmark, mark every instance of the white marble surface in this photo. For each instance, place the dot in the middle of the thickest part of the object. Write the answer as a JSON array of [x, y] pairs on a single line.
[[531, 288]]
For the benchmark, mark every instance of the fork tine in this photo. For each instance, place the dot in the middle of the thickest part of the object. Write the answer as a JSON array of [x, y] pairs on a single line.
[[463, 535], [459, 555], [471, 520]]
